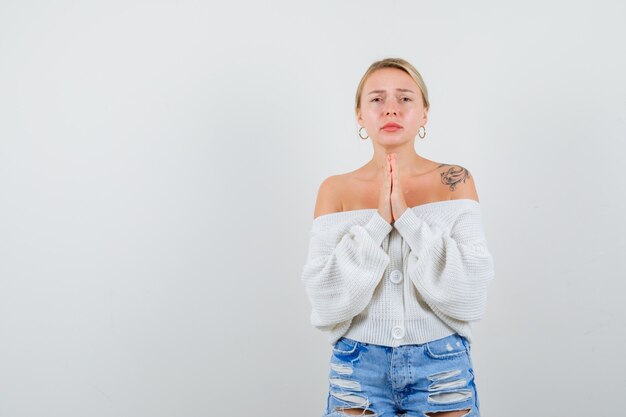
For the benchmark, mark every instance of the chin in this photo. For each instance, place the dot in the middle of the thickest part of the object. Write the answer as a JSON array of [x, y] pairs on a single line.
[[393, 142]]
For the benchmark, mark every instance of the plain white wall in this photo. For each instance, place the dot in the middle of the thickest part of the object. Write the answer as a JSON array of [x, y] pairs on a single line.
[[159, 163]]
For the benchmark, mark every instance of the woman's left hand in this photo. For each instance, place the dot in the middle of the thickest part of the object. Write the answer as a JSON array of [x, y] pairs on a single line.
[[398, 203]]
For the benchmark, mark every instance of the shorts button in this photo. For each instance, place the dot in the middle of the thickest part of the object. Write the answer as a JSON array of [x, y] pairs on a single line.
[[397, 332], [395, 276]]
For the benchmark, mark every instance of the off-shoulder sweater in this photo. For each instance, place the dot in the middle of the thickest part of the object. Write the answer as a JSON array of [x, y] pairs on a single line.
[[421, 279]]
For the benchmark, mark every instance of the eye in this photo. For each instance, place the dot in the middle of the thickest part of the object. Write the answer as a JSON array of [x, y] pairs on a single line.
[[408, 99], [376, 98]]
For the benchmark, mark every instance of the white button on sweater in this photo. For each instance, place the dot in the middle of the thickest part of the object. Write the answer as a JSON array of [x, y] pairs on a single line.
[[395, 276], [439, 247]]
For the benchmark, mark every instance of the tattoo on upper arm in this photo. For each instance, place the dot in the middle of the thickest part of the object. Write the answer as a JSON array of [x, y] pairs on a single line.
[[454, 175]]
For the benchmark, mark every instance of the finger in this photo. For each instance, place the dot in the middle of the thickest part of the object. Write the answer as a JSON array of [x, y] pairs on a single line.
[[395, 171], [387, 177]]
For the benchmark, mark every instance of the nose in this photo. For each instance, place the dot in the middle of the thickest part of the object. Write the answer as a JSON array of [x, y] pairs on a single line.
[[391, 110]]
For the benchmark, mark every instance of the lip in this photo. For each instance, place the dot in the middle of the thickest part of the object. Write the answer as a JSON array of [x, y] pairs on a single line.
[[391, 126]]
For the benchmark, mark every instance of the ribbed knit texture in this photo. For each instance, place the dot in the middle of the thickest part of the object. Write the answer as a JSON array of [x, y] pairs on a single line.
[[441, 272]]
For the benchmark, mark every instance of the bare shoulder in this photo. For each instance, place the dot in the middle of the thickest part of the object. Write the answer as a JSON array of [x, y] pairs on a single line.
[[328, 196], [459, 181]]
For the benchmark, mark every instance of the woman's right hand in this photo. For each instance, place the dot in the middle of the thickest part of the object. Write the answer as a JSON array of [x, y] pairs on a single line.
[[384, 202]]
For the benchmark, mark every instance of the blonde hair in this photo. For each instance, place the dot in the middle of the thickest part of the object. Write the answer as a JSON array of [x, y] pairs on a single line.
[[400, 64]]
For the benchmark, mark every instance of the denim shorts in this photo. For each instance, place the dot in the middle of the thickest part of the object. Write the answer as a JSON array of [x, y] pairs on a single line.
[[408, 380]]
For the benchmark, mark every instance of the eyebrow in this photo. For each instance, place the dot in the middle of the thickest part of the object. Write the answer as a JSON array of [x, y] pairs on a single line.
[[404, 90]]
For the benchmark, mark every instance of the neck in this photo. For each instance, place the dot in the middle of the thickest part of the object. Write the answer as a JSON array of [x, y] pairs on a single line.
[[407, 161]]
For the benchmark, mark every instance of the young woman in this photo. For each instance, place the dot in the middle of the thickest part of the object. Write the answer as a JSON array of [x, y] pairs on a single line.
[[398, 265]]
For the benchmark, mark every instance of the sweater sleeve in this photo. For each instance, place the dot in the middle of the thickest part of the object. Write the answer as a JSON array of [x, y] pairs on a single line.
[[345, 263], [451, 271]]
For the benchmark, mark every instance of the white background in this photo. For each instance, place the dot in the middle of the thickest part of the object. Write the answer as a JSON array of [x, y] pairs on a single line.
[[159, 163]]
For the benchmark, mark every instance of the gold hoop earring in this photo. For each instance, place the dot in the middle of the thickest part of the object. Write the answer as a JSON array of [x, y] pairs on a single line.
[[366, 135], [420, 132]]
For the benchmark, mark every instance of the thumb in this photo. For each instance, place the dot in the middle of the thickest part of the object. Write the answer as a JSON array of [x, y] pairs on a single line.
[[389, 174]]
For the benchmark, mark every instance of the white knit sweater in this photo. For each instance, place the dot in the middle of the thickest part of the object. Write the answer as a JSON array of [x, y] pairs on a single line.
[[421, 279]]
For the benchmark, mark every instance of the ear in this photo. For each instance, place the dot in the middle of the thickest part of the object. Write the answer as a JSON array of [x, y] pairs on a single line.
[[425, 117]]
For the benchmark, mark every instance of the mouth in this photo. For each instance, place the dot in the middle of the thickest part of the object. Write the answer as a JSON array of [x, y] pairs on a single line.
[[391, 127]]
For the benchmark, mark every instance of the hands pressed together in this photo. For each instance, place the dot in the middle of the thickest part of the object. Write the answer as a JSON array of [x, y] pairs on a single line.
[[391, 203]]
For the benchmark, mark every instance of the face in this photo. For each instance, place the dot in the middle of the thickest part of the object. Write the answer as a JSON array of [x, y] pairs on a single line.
[[391, 95]]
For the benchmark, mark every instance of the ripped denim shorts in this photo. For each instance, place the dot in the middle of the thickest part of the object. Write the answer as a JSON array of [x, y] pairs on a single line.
[[404, 381]]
